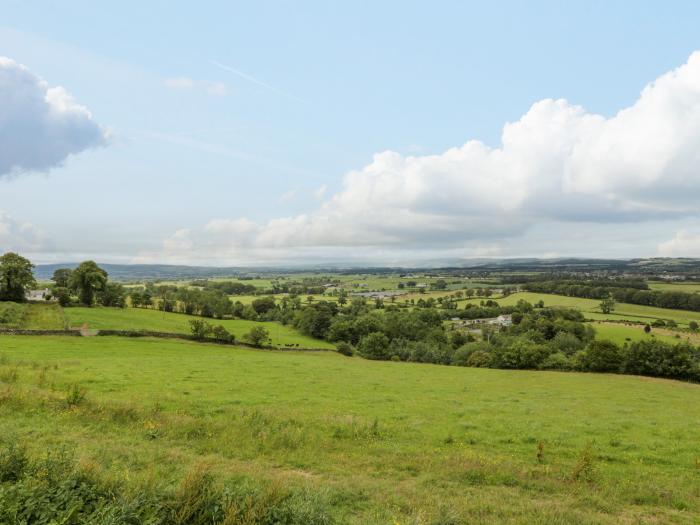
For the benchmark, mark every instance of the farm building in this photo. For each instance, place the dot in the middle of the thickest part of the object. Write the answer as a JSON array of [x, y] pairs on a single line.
[[37, 295]]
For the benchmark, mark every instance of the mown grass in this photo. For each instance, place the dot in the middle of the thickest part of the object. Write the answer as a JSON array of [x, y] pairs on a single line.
[[101, 318], [387, 442]]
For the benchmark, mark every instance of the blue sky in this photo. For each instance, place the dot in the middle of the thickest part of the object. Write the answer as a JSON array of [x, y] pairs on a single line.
[[246, 132]]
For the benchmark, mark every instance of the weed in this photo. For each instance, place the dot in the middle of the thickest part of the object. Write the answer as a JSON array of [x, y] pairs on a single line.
[[584, 470], [75, 395]]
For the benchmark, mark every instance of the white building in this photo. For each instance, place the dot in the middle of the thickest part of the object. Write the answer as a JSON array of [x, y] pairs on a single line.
[[37, 295]]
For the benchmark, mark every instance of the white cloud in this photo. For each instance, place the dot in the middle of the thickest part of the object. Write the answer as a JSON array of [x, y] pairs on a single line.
[[684, 244], [18, 236], [320, 192], [557, 163], [217, 88], [40, 126]]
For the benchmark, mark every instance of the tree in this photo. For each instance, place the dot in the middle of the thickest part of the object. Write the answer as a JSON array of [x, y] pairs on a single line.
[[200, 329], [607, 305], [603, 356], [342, 297], [374, 346], [263, 305], [62, 277], [16, 276], [87, 279], [257, 336], [113, 294], [62, 295], [693, 325]]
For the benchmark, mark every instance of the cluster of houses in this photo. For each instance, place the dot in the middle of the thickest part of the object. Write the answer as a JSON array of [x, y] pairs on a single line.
[[501, 320]]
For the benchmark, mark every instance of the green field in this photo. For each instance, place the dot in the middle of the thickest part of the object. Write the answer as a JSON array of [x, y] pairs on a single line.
[[675, 287], [381, 442], [591, 308], [99, 318]]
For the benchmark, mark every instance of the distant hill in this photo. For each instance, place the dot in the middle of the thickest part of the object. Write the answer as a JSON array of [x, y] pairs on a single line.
[[132, 272], [141, 272]]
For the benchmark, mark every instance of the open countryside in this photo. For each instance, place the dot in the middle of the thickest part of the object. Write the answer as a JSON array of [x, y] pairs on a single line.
[[350, 263]]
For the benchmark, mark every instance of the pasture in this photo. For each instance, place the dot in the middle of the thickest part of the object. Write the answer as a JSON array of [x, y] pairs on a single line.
[[591, 308], [379, 442], [100, 318]]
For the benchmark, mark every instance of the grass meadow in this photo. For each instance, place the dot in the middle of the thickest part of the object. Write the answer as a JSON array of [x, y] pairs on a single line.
[[378, 442], [101, 318]]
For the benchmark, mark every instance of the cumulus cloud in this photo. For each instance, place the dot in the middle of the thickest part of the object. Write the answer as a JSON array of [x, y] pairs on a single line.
[[557, 163], [40, 126], [683, 244], [18, 236]]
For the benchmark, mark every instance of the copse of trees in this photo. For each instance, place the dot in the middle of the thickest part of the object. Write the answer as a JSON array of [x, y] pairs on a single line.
[[90, 284], [16, 277]]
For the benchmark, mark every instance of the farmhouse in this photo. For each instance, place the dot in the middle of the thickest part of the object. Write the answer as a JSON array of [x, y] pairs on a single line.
[[37, 295]]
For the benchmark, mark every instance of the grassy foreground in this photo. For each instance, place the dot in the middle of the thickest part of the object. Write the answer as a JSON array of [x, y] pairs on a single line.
[[379, 442]]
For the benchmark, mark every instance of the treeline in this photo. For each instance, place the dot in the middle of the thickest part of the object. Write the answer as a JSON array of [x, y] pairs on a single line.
[[306, 286], [86, 285], [622, 294], [539, 339]]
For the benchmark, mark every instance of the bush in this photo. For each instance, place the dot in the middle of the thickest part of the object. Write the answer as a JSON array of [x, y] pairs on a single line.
[[603, 356], [374, 346], [200, 329], [257, 336], [220, 333], [519, 353], [557, 361], [658, 359], [345, 349]]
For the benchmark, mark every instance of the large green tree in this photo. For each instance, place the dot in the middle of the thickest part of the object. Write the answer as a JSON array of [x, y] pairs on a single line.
[[87, 279], [16, 276], [62, 277]]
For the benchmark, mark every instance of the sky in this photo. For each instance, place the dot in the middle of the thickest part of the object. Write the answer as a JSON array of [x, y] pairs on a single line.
[[382, 132]]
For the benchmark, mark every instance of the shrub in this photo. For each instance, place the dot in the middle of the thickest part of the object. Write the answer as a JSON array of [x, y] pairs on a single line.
[[603, 356], [257, 336], [374, 346], [220, 333], [659, 359], [557, 361], [479, 359], [345, 349], [200, 329]]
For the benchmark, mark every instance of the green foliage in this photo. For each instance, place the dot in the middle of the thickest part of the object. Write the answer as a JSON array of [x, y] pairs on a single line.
[[257, 336], [200, 329], [87, 279], [75, 395], [603, 356], [62, 277], [62, 295], [374, 346], [263, 304], [345, 349], [16, 276], [55, 489], [112, 294]]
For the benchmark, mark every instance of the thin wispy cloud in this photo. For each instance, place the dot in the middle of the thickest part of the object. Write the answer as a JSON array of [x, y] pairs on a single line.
[[252, 79]]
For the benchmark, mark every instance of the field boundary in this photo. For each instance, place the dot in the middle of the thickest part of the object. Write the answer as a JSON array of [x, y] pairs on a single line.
[[77, 332]]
